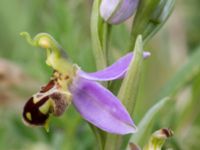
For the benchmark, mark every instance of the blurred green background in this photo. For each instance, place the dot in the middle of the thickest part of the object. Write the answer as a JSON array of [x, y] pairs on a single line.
[[23, 71]]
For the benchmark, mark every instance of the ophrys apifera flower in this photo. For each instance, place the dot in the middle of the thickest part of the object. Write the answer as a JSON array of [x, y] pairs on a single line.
[[69, 84]]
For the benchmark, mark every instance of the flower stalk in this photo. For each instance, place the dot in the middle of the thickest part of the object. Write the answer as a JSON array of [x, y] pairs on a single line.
[[96, 29], [99, 46]]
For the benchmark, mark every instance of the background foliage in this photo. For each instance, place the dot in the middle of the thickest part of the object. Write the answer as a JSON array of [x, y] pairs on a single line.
[[173, 69]]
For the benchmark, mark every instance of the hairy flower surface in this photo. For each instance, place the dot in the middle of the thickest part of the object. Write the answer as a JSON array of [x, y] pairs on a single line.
[[70, 84]]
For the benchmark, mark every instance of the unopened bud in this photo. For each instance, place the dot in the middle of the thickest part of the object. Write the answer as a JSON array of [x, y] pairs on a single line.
[[117, 11], [158, 138]]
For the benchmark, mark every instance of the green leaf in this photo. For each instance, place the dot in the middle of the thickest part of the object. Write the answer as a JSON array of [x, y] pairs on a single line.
[[147, 120], [129, 89]]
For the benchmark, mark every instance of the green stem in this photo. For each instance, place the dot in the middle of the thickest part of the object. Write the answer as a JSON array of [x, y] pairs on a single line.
[[105, 38], [99, 34], [113, 142], [99, 135], [96, 25]]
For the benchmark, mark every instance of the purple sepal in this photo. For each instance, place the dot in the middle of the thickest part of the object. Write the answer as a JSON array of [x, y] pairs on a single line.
[[100, 107], [115, 71], [117, 11]]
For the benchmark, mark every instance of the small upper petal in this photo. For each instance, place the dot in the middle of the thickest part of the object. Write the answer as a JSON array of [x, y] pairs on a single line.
[[100, 107], [115, 71]]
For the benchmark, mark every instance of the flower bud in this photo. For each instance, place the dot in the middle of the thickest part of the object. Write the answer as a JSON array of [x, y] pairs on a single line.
[[117, 11], [158, 138]]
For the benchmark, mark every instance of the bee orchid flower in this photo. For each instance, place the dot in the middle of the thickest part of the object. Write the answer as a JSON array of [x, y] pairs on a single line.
[[69, 84]]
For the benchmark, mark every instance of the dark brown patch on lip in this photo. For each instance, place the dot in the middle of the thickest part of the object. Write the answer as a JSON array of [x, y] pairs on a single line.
[[47, 87], [37, 118]]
